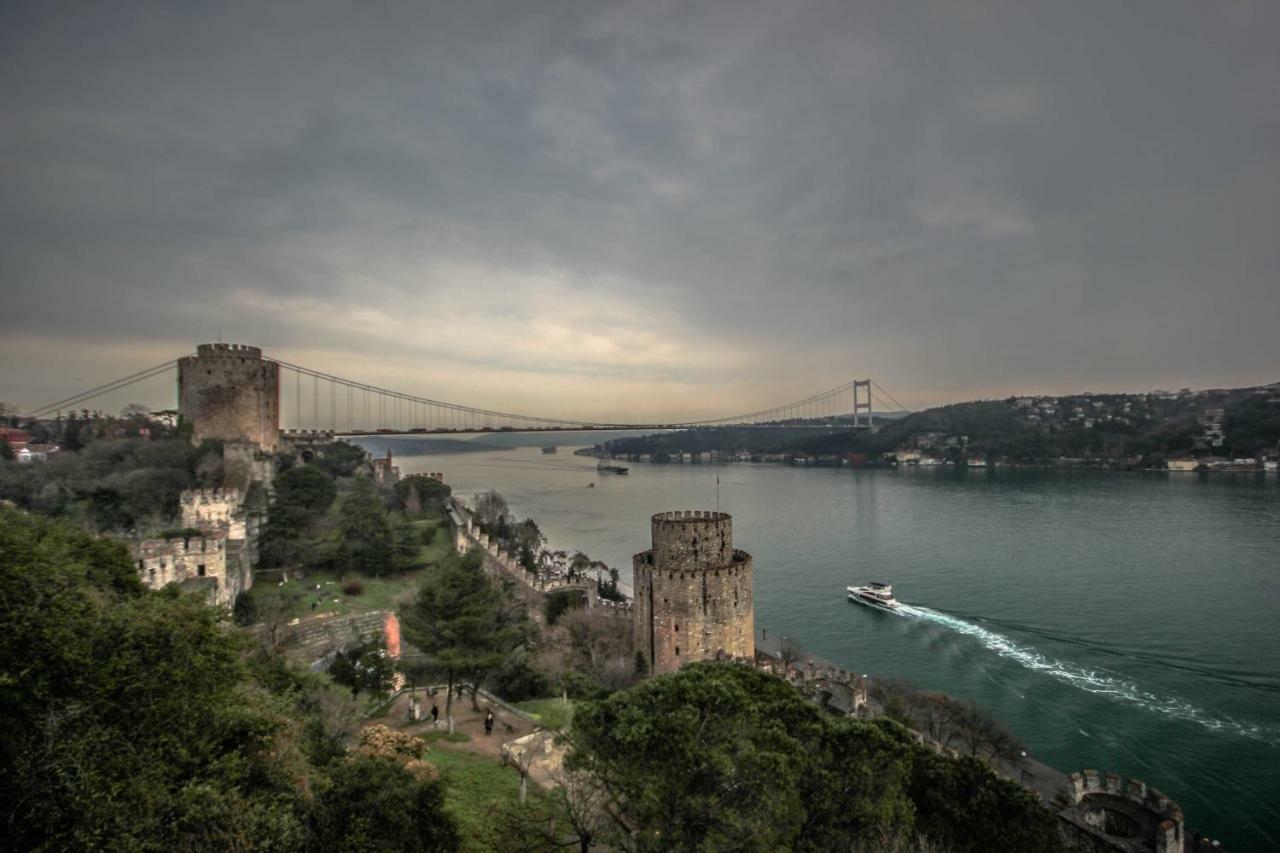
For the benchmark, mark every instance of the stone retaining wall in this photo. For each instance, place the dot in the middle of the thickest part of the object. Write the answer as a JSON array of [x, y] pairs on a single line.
[[316, 639]]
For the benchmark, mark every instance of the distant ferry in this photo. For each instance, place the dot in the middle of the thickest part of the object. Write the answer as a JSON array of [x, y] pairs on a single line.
[[610, 469], [551, 449], [874, 594]]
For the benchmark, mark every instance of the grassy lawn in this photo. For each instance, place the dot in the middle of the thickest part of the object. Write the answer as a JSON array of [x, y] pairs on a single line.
[[442, 735], [384, 593], [476, 785], [441, 545], [551, 713]]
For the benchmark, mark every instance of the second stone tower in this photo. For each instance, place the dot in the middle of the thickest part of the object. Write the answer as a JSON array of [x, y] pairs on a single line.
[[693, 597]]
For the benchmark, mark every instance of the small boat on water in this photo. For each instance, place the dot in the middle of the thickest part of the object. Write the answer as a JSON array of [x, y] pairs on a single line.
[[610, 469], [874, 594], [551, 449]]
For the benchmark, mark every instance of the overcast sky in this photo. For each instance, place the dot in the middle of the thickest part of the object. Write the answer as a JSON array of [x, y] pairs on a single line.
[[645, 209]]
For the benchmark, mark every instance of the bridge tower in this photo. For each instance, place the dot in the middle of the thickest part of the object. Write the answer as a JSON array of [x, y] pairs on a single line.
[[860, 403], [693, 592], [231, 393]]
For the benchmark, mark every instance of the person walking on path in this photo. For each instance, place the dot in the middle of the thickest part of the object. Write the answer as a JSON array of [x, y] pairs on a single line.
[[488, 723], [435, 714]]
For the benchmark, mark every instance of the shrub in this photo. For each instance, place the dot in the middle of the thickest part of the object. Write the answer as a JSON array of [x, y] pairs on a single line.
[[243, 611], [559, 603], [516, 679], [355, 586]]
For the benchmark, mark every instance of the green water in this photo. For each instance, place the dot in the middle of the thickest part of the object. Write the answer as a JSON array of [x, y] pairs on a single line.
[[1121, 622]]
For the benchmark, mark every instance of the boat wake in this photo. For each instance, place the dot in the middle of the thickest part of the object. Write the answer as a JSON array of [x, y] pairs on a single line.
[[1093, 680]]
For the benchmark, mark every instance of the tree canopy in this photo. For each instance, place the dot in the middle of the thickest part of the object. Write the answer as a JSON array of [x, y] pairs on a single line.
[[114, 484], [364, 529], [460, 622], [431, 494], [722, 756], [138, 720], [303, 494], [375, 804]]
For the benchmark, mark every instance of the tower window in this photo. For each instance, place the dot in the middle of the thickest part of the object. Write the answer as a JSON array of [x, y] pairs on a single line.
[[677, 628], [200, 570], [677, 650]]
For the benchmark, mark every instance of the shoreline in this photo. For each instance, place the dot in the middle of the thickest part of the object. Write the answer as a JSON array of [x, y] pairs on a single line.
[[828, 462]]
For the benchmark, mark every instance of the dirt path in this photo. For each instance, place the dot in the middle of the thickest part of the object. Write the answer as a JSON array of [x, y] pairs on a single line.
[[507, 726]]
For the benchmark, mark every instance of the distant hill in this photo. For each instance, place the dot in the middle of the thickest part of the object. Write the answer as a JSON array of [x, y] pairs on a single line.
[[1121, 429]]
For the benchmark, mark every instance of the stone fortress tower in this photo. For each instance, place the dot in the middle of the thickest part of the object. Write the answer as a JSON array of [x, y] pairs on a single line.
[[229, 392], [693, 598]]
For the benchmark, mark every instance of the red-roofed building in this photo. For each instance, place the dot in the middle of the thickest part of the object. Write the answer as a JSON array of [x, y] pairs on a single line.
[[16, 438]]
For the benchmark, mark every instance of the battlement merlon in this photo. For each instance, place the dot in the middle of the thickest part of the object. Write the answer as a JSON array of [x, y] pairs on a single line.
[[228, 350], [179, 546], [1090, 786], [692, 539], [208, 496], [321, 436]]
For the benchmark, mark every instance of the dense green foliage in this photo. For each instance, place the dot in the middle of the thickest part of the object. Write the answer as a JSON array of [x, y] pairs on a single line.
[[364, 529], [374, 804], [136, 720], [725, 757], [337, 458], [303, 496], [114, 484], [558, 603], [320, 523], [1253, 424], [429, 494], [364, 667]]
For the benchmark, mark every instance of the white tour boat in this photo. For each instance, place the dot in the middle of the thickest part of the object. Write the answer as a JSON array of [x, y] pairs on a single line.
[[874, 594]]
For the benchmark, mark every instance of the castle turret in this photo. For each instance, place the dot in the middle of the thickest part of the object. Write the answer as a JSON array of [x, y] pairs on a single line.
[[1107, 812], [693, 598], [229, 392]]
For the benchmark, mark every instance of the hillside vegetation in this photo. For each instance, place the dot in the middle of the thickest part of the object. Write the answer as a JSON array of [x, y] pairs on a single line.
[[1121, 429]]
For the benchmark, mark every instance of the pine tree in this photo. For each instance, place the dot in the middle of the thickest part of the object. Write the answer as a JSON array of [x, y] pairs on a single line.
[[364, 528], [459, 622]]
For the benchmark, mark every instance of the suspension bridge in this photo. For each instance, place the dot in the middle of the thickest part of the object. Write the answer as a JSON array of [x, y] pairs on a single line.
[[307, 400]]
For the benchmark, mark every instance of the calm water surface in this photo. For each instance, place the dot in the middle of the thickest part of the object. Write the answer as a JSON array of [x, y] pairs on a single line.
[[1122, 622]]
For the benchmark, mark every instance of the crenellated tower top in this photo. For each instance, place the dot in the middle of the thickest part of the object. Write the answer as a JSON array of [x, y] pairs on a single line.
[[228, 350]]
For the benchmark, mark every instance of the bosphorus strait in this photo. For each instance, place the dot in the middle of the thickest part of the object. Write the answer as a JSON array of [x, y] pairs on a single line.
[[1121, 622]]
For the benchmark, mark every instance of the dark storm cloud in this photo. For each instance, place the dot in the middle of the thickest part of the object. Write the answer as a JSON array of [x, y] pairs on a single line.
[[723, 202]]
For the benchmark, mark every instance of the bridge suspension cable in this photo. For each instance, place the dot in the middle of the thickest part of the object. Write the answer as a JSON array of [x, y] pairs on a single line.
[[105, 388], [814, 404], [453, 414], [880, 387], [371, 408], [385, 409]]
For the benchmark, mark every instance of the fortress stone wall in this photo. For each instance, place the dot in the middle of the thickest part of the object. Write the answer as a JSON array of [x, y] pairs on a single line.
[[218, 560], [693, 592], [198, 562], [215, 509], [229, 392]]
